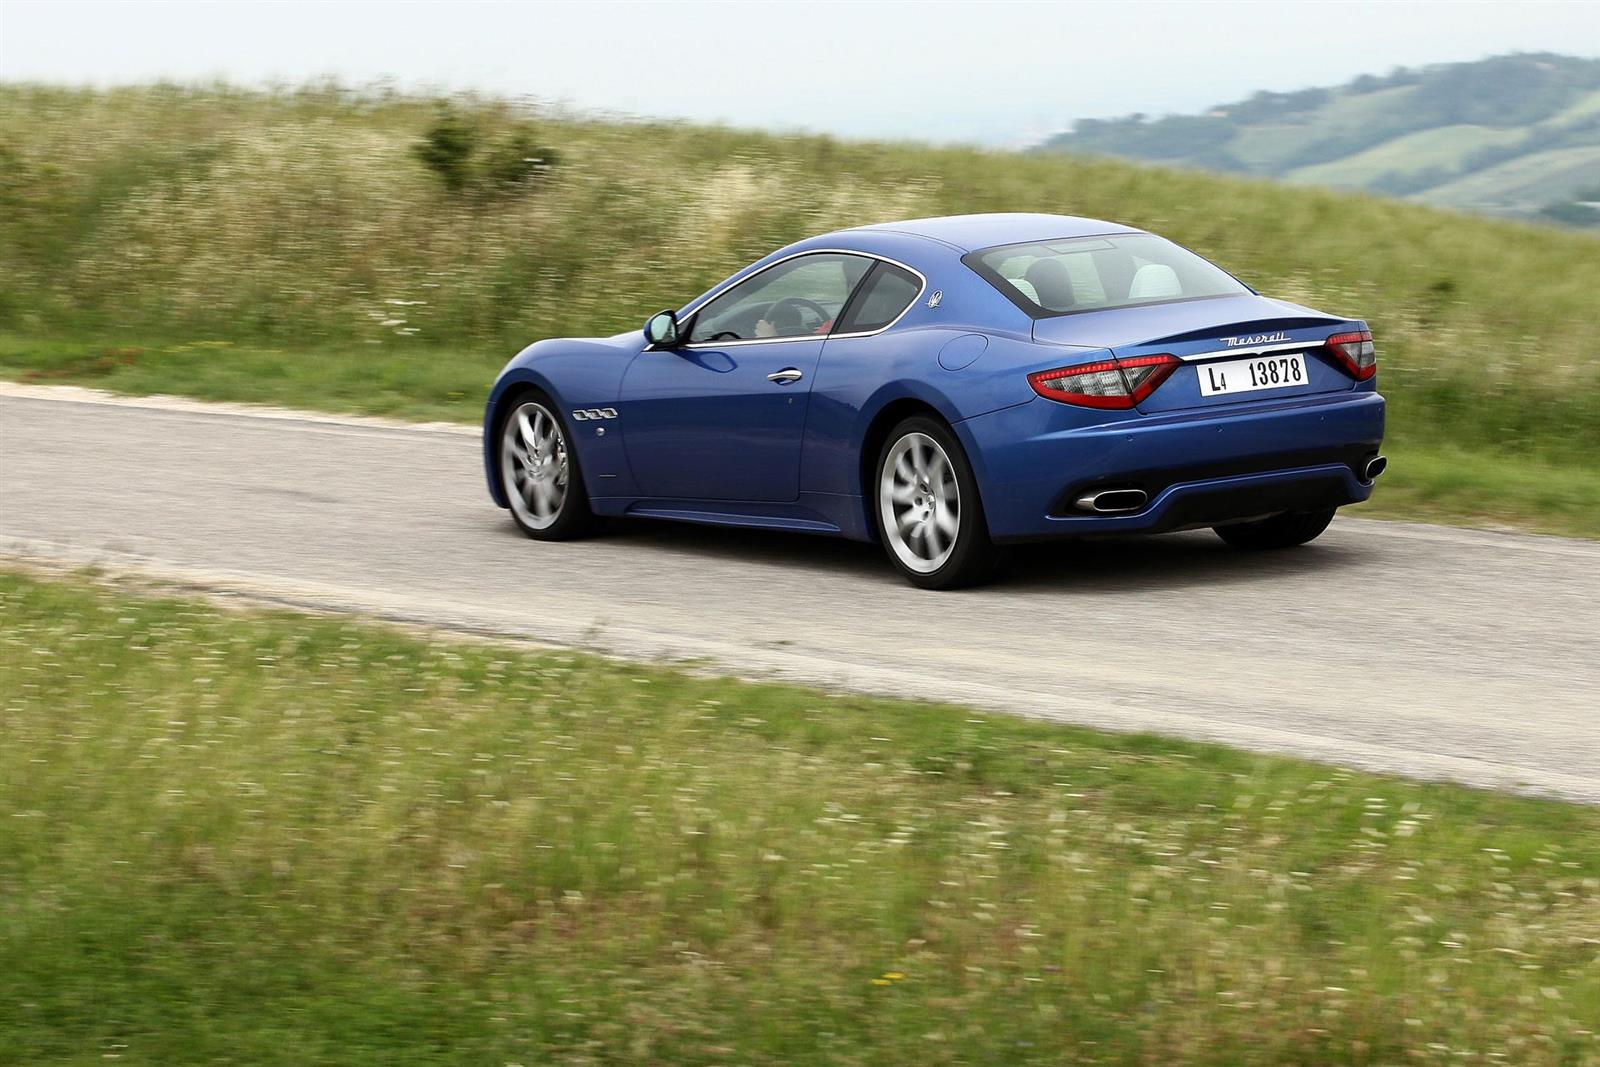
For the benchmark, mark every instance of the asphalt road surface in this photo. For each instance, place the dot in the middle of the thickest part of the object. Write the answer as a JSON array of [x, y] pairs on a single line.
[[1413, 649]]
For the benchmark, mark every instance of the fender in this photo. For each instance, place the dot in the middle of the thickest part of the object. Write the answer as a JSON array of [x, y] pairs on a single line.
[[943, 405], [590, 370]]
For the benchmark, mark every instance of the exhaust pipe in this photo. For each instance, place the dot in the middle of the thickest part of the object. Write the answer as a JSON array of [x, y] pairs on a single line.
[[1109, 501], [1376, 466]]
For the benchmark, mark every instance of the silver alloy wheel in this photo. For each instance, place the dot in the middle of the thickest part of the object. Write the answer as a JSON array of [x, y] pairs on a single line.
[[919, 502], [533, 464]]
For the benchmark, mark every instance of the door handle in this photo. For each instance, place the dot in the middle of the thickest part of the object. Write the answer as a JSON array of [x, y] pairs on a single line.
[[785, 376]]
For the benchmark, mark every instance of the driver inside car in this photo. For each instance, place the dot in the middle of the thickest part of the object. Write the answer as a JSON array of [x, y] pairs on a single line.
[[782, 319], [757, 306]]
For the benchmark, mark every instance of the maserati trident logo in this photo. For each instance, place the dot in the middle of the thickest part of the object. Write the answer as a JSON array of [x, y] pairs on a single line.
[[1255, 339], [936, 299]]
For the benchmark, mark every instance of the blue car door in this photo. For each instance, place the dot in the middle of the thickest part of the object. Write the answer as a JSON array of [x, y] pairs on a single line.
[[719, 423], [722, 415]]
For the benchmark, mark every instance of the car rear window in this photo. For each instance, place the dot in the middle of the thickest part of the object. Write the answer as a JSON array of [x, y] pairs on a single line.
[[1048, 278]]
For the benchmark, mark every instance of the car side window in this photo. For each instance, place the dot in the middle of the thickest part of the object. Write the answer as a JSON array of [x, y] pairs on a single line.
[[887, 293], [800, 297]]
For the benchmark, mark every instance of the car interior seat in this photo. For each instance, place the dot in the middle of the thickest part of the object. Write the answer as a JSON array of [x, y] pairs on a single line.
[[1050, 279], [1025, 288], [1154, 281]]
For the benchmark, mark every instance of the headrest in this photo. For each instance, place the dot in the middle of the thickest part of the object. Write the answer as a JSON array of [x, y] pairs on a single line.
[[1154, 281], [1050, 279]]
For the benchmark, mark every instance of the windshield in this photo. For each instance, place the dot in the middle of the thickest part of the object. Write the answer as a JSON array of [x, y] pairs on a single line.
[[1048, 278]]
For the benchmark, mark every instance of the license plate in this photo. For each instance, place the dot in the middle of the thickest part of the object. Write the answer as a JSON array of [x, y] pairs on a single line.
[[1248, 375]]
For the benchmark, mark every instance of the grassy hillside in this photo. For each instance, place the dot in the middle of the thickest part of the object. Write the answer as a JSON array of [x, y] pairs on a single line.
[[368, 251], [1407, 155], [1536, 178], [1513, 135], [232, 837]]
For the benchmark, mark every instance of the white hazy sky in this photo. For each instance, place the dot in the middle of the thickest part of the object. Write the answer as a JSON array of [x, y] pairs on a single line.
[[999, 73]]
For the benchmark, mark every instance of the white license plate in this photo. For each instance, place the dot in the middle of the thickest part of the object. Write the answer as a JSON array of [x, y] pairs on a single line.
[[1248, 375]]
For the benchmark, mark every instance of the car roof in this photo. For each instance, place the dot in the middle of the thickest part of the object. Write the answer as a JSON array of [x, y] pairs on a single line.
[[970, 232]]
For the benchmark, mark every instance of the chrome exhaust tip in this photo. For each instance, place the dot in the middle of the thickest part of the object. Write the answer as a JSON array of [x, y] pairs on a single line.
[[1111, 501], [1376, 466]]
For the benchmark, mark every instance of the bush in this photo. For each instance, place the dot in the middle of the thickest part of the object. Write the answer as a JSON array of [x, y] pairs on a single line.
[[515, 162], [447, 148], [469, 162]]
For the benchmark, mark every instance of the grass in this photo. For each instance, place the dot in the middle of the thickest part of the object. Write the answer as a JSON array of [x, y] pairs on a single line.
[[1464, 488], [1442, 147], [290, 247], [1584, 107], [1527, 182], [270, 838], [413, 383]]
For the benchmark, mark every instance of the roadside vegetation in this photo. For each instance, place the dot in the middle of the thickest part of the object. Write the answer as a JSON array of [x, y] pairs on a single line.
[[238, 836], [367, 251]]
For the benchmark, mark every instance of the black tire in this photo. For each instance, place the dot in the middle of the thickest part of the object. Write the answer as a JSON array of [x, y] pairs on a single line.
[[570, 518], [971, 558], [1280, 531]]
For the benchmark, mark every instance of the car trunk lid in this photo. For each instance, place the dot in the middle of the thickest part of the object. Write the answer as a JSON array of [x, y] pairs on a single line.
[[1218, 340]]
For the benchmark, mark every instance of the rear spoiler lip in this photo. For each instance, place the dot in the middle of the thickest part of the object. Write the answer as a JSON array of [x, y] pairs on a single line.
[[1317, 336], [1251, 350]]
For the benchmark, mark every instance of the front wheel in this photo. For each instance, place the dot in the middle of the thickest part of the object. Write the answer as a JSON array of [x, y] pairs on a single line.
[[928, 511], [539, 472], [1280, 531]]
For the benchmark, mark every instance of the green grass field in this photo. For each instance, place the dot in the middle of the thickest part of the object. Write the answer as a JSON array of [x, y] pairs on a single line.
[[268, 838], [291, 247], [1445, 147], [1523, 182], [1585, 107]]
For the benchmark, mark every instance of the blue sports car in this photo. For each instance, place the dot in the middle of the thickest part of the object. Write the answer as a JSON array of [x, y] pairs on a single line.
[[945, 387]]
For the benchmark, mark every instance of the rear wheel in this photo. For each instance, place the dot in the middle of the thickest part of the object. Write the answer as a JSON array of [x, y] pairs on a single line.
[[928, 512], [539, 472], [1280, 531]]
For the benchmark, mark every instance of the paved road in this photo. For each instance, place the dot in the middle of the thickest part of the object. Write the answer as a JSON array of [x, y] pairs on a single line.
[[1416, 649]]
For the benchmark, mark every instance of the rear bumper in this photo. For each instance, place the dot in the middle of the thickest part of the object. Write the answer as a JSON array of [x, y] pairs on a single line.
[[1197, 468]]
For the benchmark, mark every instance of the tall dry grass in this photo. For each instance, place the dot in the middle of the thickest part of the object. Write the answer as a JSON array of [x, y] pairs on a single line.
[[304, 218]]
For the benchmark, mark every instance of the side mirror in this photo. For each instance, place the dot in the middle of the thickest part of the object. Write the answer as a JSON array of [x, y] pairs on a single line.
[[662, 329]]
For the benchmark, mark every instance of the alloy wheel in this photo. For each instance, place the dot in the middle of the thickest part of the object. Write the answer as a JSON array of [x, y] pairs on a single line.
[[920, 502], [533, 464]]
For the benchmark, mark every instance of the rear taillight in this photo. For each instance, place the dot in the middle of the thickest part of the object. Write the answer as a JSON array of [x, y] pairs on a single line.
[[1110, 383], [1355, 352]]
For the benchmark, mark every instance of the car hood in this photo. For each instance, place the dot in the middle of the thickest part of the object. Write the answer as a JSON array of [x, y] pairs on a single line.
[[1120, 327]]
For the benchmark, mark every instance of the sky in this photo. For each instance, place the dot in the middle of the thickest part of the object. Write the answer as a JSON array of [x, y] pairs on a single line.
[[990, 73]]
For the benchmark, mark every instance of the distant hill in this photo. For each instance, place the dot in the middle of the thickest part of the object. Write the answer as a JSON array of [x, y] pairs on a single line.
[[1515, 135]]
